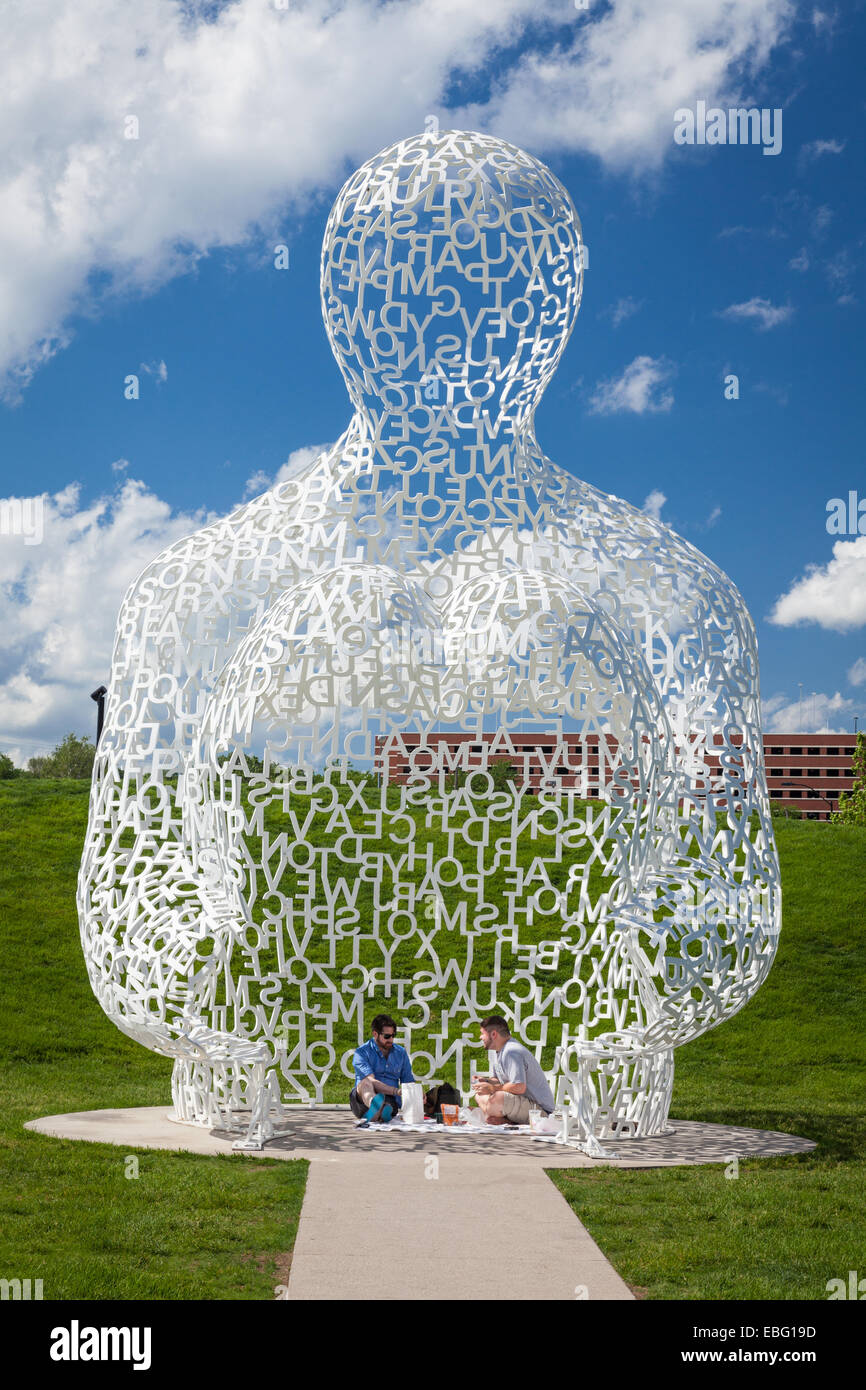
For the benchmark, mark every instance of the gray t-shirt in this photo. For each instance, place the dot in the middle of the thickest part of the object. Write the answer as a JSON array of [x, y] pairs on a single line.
[[514, 1062]]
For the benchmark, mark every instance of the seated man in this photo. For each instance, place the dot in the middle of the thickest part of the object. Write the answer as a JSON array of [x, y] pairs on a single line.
[[381, 1067], [518, 1082]]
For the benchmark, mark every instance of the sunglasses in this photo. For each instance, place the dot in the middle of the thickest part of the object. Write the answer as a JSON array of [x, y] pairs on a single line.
[[386, 1037]]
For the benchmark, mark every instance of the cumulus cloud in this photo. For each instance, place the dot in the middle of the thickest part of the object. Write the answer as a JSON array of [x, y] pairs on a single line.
[[297, 461], [582, 95], [61, 597], [641, 389], [817, 713], [800, 261], [832, 595], [135, 140], [765, 314], [60, 603], [857, 673], [654, 502], [260, 481]]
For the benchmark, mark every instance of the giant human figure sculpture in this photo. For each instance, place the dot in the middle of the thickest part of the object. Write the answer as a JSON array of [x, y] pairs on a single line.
[[432, 588]]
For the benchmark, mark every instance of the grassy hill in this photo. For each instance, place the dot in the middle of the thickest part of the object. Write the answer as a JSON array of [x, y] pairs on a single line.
[[191, 1227]]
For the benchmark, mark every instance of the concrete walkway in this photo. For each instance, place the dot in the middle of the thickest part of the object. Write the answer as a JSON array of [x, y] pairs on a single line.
[[460, 1214], [441, 1226]]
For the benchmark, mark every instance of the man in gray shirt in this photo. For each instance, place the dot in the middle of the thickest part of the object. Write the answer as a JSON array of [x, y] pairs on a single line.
[[518, 1083]]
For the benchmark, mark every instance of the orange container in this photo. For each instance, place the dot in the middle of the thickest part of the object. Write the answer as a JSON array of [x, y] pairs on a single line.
[[450, 1114]]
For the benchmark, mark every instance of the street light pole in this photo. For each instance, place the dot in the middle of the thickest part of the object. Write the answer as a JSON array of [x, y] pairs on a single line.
[[99, 696], [808, 785]]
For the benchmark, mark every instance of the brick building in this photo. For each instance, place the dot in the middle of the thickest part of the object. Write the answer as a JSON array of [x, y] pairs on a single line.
[[807, 771]]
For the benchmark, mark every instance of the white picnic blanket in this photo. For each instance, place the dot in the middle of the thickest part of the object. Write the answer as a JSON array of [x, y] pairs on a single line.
[[429, 1126]]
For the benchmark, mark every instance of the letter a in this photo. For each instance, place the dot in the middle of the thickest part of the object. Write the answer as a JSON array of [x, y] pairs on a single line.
[[837, 524], [684, 126]]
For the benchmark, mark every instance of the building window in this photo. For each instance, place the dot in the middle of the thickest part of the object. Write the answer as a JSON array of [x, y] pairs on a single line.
[[776, 752], [813, 752]]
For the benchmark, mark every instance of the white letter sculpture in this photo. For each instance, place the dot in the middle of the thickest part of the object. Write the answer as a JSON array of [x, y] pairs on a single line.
[[432, 592]]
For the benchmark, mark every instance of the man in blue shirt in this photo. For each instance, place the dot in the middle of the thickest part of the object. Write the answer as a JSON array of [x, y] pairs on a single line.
[[381, 1067]]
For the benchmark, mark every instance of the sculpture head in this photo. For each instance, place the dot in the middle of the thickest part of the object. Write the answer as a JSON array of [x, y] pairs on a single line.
[[451, 281]]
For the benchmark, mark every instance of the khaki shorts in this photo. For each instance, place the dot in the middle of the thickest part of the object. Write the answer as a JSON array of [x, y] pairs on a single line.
[[516, 1108]]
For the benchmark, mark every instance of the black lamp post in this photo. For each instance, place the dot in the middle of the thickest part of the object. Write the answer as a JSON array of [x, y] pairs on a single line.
[[99, 696], [809, 788]]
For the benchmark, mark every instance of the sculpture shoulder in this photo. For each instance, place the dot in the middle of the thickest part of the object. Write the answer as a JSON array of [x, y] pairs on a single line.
[[261, 541], [610, 531]]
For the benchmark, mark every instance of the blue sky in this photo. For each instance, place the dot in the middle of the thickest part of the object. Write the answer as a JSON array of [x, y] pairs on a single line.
[[702, 262]]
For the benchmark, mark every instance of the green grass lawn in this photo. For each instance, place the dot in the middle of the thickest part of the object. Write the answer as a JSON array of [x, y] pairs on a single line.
[[792, 1060], [196, 1227], [187, 1227]]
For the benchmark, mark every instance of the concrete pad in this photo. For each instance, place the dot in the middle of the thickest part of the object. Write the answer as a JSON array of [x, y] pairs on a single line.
[[330, 1135]]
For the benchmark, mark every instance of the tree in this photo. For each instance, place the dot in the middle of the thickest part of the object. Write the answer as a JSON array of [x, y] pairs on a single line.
[[503, 772], [71, 758], [852, 805], [8, 768]]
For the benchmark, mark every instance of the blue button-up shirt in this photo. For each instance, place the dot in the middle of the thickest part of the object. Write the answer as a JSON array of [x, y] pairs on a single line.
[[393, 1069]]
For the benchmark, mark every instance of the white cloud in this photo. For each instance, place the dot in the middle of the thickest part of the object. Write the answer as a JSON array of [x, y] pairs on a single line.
[[654, 502], [259, 482], [60, 603], [248, 115], [833, 595], [612, 92], [821, 219], [120, 465], [817, 713], [623, 309], [641, 389], [778, 393], [800, 261], [815, 148], [857, 673], [840, 270], [155, 369], [765, 314], [61, 599], [297, 461]]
